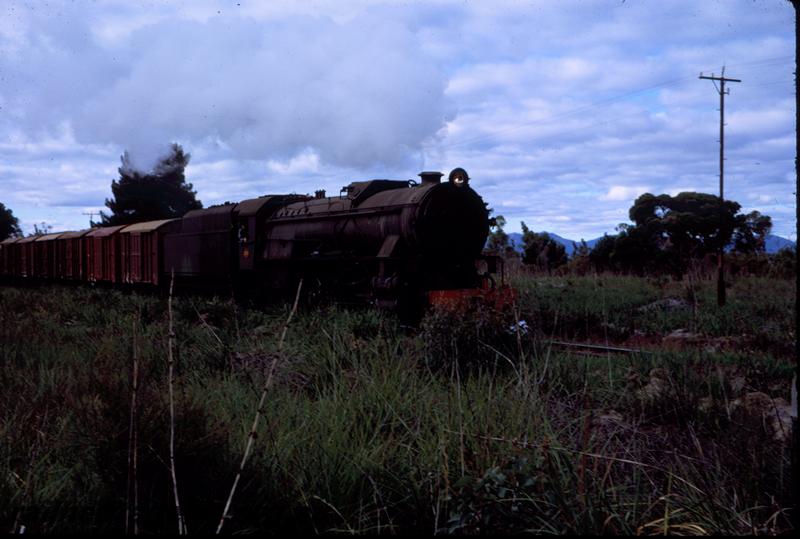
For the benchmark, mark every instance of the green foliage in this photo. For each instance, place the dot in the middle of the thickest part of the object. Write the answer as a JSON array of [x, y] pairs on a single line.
[[41, 229], [501, 501], [600, 255], [580, 249], [580, 262], [751, 234], [498, 240], [784, 263], [9, 225], [670, 232], [780, 265], [688, 224], [759, 313], [541, 251], [360, 433], [160, 194], [464, 339]]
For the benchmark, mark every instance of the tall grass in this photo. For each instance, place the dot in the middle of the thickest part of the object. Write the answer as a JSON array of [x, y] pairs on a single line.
[[463, 426], [616, 307]]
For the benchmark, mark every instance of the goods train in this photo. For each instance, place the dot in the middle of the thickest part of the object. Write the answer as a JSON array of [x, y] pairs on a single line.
[[396, 244]]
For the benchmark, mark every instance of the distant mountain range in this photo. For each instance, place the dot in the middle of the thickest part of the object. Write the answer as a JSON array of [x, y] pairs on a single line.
[[773, 244], [776, 243], [516, 238]]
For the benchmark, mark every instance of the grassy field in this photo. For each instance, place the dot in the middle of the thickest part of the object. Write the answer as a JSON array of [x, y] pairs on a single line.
[[464, 425]]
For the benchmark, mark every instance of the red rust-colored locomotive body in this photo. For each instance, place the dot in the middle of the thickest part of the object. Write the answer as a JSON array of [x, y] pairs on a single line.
[[398, 244]]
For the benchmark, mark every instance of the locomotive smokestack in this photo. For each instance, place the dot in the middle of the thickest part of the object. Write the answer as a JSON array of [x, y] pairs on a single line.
[[431, 177]]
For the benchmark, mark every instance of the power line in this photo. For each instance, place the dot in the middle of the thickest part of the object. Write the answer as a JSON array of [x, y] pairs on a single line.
[[572, 112], [771, 83], [766, 61], [91, 214], [585, 108]]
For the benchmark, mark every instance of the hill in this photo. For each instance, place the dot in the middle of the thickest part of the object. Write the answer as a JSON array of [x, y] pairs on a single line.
[[776, 243], [516, 238]]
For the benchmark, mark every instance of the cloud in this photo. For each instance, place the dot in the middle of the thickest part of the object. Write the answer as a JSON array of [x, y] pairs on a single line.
[[305, 162], [624, 192], [557, 109], [357, 93]]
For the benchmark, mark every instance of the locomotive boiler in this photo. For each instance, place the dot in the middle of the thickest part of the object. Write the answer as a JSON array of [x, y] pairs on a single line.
[[393, 240], [397, 244]]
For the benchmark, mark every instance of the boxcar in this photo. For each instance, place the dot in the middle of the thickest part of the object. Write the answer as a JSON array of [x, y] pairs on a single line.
[[142, 250], [70, 246], [46, 262], [102, 254], [201, 249], [9, 254], [25, 261]]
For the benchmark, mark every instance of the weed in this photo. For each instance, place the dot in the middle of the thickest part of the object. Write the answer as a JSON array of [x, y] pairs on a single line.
[[464, 426]]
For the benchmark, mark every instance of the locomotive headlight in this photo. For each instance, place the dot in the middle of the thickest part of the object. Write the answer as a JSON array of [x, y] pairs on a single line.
[[459, 177]]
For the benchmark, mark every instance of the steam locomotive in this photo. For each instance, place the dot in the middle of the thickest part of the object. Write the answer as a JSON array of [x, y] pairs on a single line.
[[396, 244]]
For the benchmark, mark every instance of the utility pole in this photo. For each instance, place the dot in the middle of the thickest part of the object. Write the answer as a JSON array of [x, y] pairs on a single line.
[[91, 214], [795, 433], [721, 255]]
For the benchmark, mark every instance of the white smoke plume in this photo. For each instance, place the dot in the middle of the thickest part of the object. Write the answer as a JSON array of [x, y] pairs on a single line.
[[354, 93]]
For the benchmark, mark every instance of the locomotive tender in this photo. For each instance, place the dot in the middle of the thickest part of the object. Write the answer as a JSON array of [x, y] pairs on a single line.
[[398, 244]]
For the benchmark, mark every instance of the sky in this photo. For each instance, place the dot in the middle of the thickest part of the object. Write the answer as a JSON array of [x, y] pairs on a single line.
[[562, 111]]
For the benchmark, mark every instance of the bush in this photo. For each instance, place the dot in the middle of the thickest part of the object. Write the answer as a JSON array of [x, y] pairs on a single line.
[[477, 338]]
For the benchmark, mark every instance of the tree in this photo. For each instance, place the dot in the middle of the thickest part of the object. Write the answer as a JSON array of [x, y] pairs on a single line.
[[641, 249], [784, 262], [689, 224], [580, 249], [161, 193], [579, 263], [541, 251], [9, 225], [669, 232], [751, 235], [498, 239], [600, 256], [41, 229]]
